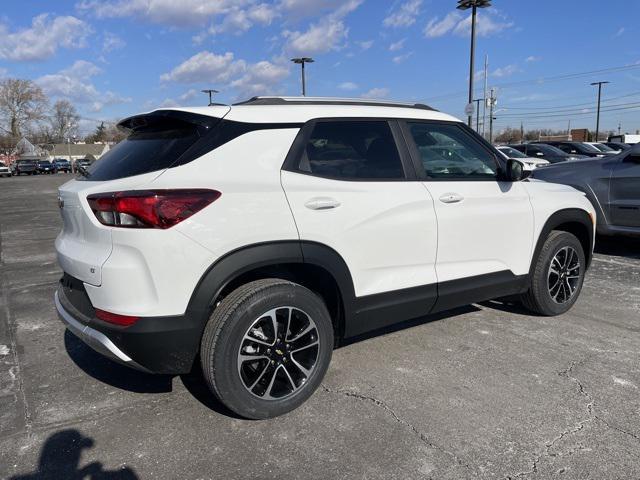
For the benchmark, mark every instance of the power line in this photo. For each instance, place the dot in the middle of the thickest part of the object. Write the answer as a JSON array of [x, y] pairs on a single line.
[[568, 113], [566, 76], [572, 105]]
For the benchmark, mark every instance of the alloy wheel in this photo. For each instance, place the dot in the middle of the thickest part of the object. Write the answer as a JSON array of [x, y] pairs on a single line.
[[564, 274]]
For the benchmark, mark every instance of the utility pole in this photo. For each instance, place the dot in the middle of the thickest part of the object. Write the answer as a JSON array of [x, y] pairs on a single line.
[[484, 104], [599, 84], [473, 5], [478, 100], [521, 132], [492, 103], [301, 61], [211, 93], [619, 127]]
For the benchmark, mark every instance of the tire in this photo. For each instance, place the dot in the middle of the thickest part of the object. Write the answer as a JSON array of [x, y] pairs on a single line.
[[245, 320], [552, 293]]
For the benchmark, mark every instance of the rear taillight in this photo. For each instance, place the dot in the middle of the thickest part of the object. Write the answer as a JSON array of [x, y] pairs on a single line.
[[116, 319], [149, 208]]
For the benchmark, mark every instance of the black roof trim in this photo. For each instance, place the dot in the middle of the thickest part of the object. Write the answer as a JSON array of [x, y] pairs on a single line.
[[373, 103]]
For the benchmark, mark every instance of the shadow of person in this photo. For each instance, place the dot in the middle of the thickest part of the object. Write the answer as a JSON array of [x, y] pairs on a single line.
[[112, 373], [60, 459]]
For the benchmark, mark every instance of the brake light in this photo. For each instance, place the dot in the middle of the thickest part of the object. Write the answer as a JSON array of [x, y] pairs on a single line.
[[149, 208], [115, 319]]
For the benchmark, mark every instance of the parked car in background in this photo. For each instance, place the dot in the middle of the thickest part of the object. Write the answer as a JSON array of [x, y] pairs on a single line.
[[575, 148], [5, 171], [82, 165], [529, 162], [546, 152], [612, 183], [62, 165], [617, 146], [607, 150], [46, 166], [28, 167], [369, 213]]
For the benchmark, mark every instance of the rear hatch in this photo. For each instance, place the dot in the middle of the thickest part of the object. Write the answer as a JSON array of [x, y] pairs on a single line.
[[156, 141]]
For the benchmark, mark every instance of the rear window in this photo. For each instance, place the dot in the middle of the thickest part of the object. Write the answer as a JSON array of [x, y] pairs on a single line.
[[155, 142]]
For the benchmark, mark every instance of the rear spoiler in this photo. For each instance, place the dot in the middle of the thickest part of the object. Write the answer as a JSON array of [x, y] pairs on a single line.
[[169, 117]]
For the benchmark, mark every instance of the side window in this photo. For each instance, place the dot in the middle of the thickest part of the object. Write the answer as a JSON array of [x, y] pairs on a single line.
[[448, 152], [352, 150], [531, 150], [566, 148]]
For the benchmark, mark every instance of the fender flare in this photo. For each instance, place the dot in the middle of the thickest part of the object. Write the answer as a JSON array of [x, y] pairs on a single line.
[[568, 215], [237, 262]]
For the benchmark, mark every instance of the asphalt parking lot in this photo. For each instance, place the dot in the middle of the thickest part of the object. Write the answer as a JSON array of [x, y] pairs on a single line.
[[482, 392]]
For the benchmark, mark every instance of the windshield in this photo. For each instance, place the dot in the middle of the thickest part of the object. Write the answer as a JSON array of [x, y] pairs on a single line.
[[551, 150], [590, 148], [512, 152], [603, 148]]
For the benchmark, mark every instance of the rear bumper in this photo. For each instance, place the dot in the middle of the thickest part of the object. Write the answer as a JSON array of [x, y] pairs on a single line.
[[166, 345]]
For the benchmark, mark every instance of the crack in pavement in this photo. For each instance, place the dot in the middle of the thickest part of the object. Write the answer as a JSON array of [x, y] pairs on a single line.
[[578, 426], [398, 419]]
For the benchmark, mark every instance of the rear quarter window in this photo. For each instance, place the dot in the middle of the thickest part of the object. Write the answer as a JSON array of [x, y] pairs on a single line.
[[155, 142]]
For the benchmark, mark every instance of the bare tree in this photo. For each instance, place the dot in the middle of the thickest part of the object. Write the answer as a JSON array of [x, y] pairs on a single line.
[[22, 102], [63, 121]]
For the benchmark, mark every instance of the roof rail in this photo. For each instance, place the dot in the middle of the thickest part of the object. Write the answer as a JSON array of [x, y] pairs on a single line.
[[330, 101]]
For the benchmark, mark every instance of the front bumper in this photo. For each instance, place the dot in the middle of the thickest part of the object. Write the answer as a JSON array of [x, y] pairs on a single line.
[[165, 345]]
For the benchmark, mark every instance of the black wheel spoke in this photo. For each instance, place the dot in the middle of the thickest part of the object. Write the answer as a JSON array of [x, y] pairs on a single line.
[[278, 353], [564, 275]]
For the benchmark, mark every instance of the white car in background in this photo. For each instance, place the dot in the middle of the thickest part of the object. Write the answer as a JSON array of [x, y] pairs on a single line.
[[530, 163], [4, 170]]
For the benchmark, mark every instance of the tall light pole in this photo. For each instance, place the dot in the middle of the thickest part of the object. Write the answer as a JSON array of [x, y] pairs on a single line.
[[211, 93], [599, 84], [474, 5], [301, 61]]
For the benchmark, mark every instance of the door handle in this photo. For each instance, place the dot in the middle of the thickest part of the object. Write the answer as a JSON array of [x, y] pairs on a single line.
[[322, 203], [451, 198]]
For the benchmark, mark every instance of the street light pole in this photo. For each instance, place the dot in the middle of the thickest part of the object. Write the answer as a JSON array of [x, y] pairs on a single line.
[[301, 61], [599, 84], [211, 93], [474, 5]]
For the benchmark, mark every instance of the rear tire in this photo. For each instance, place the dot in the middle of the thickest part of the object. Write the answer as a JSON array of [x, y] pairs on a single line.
[[558, 275], [287, 328]]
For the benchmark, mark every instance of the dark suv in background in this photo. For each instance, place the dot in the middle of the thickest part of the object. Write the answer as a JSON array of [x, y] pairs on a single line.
[[46, 166], [62, 165], [29, 167]]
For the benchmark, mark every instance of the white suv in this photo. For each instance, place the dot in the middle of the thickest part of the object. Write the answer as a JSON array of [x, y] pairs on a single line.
[[257, 236]]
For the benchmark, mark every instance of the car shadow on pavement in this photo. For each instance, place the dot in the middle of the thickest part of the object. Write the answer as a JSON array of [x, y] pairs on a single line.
[[125, 378], [618, 246], [112, 373], [60, 459]]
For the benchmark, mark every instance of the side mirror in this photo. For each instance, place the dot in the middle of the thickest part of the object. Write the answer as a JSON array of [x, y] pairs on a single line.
[[516, 170]]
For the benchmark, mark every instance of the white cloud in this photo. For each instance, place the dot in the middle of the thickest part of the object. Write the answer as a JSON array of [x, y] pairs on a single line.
[[365, 45], [401, 58], [43, 39], [376, 93], [182, 100], [620, 31], [399, 45], [205, 67], [348, 86], [112, 42], [459, 24], [298, 9], [74, 83], [405, 16], [259, 78], [532, 58], [328, 33], [240, 20], [179, 13], [506, 71]]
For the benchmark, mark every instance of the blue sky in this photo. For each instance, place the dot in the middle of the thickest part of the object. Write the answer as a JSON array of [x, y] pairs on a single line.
[[117, 57]]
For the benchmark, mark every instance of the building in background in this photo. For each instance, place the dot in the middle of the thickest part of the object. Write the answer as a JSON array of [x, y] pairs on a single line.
[[78, 151]]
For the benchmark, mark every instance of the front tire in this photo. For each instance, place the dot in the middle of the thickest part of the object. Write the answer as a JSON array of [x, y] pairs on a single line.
[[557, 276], [266, 348]]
